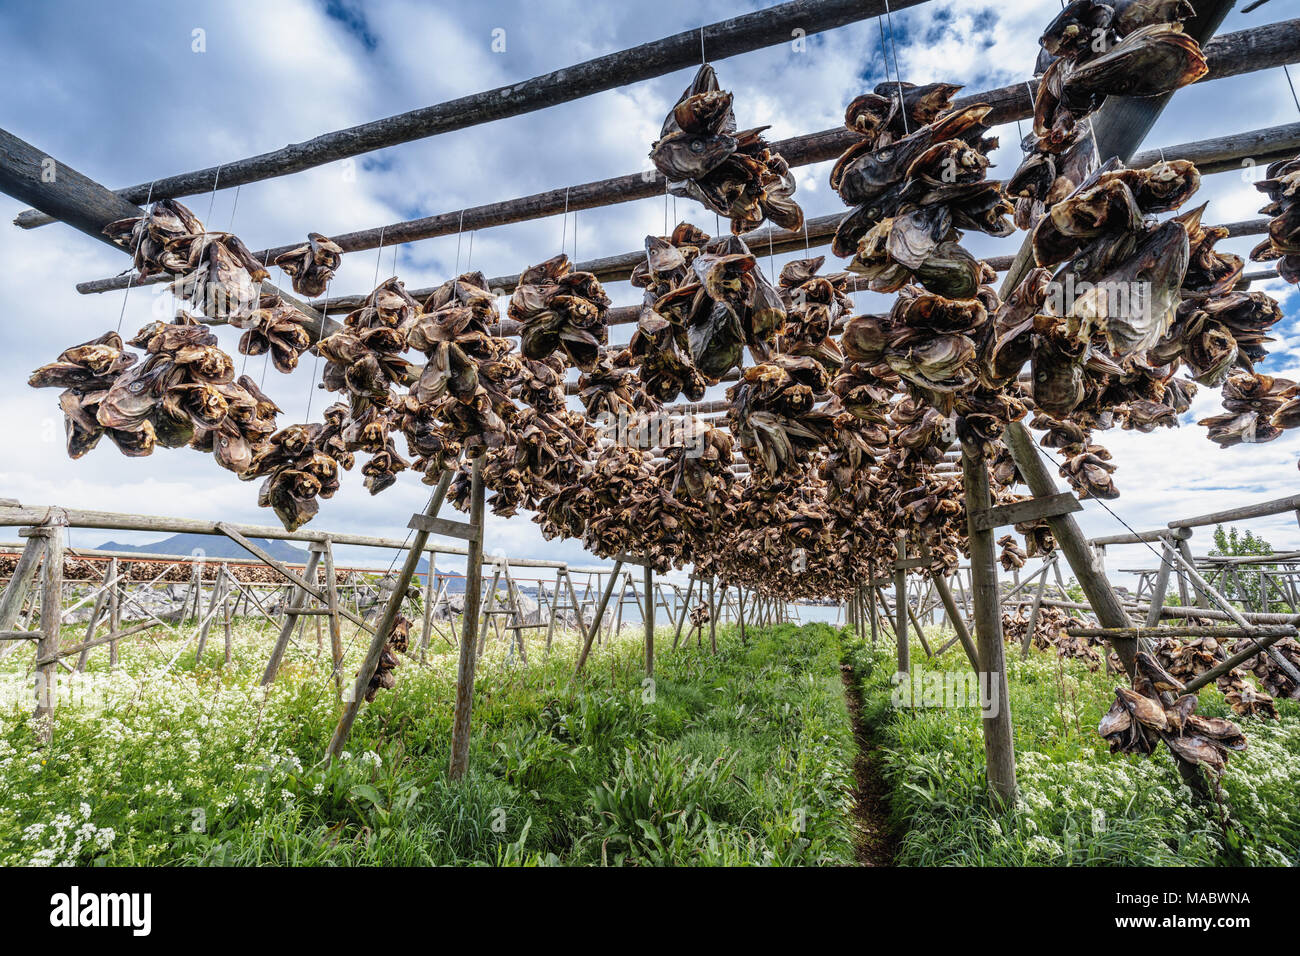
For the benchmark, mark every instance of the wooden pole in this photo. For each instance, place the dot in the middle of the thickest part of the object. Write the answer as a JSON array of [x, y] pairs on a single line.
[[999, 749], [684, 611], [379, 639], [600, 614], [115, 614], [1105, 604], [900, 610], [460, 728], [51, 619], [336, 626], [1161, 587], [296, 603], [713, 616], [1034, 611], [95, 613], [649, 620], [958, 621]]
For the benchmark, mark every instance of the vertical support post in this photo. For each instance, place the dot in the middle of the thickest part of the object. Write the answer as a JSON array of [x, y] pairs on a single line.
[[51, 619], [296, 602], [649, 620], [226, 614], [336, 627], [1034, 612], [600, 614], [999, 750], [1162, 584], [713, 616], [684, 610], [430, 592], [958, 621], [114, 610], [900, 609], [385, 624], [95, 613], [460, 727], [555, 606]]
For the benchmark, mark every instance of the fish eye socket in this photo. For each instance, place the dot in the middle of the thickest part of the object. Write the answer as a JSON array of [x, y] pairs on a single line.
[[697, 146], [136, 386]]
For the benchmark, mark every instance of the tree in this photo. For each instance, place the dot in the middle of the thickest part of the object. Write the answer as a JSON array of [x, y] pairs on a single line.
[[1241, 584]]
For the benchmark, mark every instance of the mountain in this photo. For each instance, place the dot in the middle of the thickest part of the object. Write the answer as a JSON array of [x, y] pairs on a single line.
[[213, 546]]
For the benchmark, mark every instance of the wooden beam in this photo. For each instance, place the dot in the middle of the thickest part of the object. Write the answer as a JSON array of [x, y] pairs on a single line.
[[717, 41], [1256, 49], [1029, 510], [1134, 633], [446, 527]]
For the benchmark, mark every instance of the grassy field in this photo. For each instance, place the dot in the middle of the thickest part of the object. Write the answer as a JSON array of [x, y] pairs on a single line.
[[1079, 804], [738, 758], [743, 757]]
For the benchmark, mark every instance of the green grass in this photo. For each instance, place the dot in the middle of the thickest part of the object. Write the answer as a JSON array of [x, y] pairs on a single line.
[[742, 757], [1078, 804]]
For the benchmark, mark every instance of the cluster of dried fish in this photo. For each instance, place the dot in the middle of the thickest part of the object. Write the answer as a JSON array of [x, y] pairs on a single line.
[[1283, 243], [734, 173], [215, 271], [1051, 631], [1257, 408], [773, 412], [1149, 713], [1096, 331], [1093, 50], [311, 266], [816, 308], [1271, 676], [562, 310], [1187, 659], [706, 300], [912, 194], [398, 641], [184, 392]]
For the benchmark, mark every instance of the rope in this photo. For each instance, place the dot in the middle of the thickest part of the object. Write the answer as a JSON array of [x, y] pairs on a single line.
[[1292, 85], [897, 74], [131, 278]]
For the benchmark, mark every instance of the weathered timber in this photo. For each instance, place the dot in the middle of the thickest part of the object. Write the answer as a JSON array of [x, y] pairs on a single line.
[[995, 703], [468, 658], [726, 38], [1101, 596], [1029, 510]]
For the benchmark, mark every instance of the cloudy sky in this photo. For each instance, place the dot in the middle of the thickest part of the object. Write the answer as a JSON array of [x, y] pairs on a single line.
[[119, 92]]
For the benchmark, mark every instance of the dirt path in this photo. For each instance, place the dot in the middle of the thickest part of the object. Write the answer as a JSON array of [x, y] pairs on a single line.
[[873, 844]]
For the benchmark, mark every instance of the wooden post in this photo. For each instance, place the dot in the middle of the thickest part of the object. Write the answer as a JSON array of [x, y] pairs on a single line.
[[600, 613], [460, 726], [336, 626], [713, 617], [115, 612], [51, 619], [430, 591], [11, 603], [296, 603], [741, 614], [649, 621], [225, 614], [1034, 612], [205, 622], [958, 621], [1162, 584], [555, 606], [100, 602], [900, 609], [684, 611], [1070, 538], [999, 750], [871, 612], [379, 639]]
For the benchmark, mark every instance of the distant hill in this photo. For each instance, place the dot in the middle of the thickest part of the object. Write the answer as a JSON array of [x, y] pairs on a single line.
[[212, 545]]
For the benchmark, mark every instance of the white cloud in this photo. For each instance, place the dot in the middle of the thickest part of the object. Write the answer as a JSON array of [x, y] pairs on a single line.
[[284, 72]]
